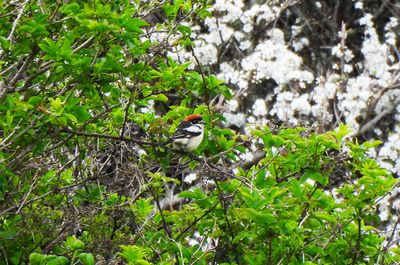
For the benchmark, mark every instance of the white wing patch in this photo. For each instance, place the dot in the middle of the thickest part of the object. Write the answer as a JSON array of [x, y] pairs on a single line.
[[194, 129]]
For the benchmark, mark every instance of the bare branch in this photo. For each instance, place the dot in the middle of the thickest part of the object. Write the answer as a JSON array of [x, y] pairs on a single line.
[[15, 23], [27, 62], [371, 124], [2, 73]]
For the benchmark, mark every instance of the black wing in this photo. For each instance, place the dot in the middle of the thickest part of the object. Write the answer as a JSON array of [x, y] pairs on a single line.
[[182, 132]]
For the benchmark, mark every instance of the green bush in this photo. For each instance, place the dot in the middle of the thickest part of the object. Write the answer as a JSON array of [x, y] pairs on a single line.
[[88, 94]]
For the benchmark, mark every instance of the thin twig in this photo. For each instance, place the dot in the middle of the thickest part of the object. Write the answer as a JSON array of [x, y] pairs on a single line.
[[371, 124], [41, 196], [390, 238], [197, 220], [15, 23], [358, 243], [13, 65], [98, 115], [165, 225], [112, 137], [26, 195], [219, 170], [224, 206], [5, 255], [25, 65], [83, 45], [207, 93]]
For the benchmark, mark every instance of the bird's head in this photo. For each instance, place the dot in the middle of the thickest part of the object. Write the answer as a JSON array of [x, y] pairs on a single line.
[[194, 118]]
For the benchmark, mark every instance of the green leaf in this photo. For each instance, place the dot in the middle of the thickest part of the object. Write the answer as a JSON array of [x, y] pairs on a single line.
[[371, 144], [144, 207], [80, 113], [296, 188], [70, 8], [36, 258], [56, 260], [57, 106], [5, 43], [139, 22], [142, 262], [133, 24], [50, 48], [316, 176], [8, 234], [159, 97], [325, 217], [132, 253], [71, 117], [204, 13], [73, 243], [185, 30], [196, 194], [257, 216], [225, 91], [35, 100], [86, 258]]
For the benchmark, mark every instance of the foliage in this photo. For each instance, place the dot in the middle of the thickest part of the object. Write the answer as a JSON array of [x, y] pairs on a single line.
[[71, 245], [87, 96]]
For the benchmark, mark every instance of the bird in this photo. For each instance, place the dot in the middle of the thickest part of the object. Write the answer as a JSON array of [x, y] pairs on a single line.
[[189, 134]]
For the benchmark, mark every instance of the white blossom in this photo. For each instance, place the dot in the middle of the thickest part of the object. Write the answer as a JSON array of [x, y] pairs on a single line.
[[358, 5], [259, 108], [190, 178], [238, 119]]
